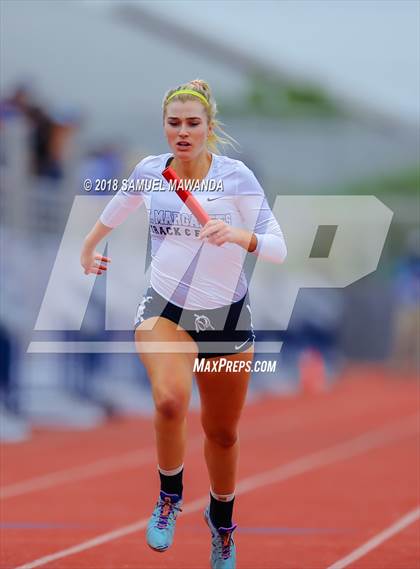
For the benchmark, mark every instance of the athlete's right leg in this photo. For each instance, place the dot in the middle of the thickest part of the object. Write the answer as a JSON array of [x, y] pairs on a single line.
[[170, 376]]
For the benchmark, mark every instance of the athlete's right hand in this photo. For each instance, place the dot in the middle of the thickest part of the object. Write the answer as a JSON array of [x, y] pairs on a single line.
[[93, 262]]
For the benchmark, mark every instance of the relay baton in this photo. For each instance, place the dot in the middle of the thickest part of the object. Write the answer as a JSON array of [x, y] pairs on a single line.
[[190, 201]]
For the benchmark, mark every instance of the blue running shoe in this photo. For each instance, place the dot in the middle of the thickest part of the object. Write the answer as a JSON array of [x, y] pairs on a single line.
[[161, 526], [223, 549]]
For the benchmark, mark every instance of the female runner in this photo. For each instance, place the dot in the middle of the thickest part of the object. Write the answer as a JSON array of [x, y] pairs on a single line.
[[197, 305]]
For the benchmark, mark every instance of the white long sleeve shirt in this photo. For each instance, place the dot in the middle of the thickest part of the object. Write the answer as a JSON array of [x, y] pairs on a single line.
[[185, 270]]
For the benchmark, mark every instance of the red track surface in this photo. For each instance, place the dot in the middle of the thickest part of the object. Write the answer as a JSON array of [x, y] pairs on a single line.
[[307, 511]]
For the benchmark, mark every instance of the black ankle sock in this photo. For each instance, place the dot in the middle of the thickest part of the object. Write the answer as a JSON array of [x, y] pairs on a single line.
[[171, 484], [221, 512]]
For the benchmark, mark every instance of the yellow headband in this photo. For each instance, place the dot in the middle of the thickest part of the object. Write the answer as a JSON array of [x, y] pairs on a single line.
[[188, 92]]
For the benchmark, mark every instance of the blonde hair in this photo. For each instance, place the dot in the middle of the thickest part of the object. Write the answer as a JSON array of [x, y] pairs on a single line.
[[218, 136]]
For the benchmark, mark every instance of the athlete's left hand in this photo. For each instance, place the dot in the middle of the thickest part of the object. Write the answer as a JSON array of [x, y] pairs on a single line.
[[217, 232]]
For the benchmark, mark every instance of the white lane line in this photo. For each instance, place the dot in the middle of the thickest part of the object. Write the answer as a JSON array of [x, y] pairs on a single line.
[[105, 466], [131, 459], [341, 451], [369, 441], [387, 533]]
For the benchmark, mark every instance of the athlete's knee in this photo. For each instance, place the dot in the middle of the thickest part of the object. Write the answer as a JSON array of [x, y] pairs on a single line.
[[171, 405], [223, 437]]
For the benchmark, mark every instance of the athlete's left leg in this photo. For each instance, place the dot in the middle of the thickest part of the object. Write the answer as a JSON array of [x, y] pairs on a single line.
[[222, 397]]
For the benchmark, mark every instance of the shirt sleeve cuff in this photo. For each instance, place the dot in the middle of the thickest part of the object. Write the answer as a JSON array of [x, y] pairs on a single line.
[[257, 249]]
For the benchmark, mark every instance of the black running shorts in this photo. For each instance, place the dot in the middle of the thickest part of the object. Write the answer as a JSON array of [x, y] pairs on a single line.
[[217, 332]]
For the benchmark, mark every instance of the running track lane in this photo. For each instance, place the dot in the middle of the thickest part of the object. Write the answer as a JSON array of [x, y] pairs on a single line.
[[261, 450]]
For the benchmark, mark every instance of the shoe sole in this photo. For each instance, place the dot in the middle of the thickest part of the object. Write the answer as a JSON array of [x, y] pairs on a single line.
[[160, 549]]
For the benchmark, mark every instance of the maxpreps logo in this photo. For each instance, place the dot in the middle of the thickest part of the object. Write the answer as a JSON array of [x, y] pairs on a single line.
[[166, 222]]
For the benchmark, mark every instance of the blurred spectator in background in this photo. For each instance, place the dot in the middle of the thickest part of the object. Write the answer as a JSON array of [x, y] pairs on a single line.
[[406, 349], [6, 396], [41, 134], [14, 427], [18, 102], [49, 136]]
